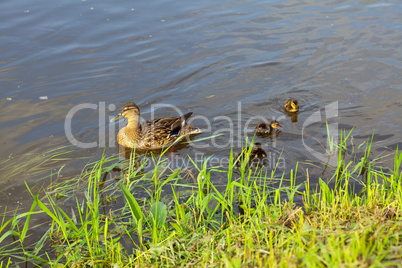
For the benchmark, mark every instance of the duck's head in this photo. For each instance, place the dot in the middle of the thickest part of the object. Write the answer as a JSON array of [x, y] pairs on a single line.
[[274, 124], [292, 105], [129, 110]]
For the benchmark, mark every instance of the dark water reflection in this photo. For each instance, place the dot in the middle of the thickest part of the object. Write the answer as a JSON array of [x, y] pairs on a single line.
[[208, 57]]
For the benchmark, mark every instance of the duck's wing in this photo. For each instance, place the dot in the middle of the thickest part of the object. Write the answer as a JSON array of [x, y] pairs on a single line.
[[179, 124], [170, 126], [163, 131]]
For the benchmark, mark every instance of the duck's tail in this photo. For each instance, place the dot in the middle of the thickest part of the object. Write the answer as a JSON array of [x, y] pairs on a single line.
[[189, 128], [193, 130]]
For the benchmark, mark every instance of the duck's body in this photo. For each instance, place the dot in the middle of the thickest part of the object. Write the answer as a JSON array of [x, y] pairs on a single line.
[[153, 134], [257, 155], [291, 105], [264, 129]]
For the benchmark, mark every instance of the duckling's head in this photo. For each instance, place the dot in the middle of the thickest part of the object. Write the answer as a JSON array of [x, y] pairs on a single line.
[[258, 151], [257, 146], [291, 105], [275, 124], [129, 110]]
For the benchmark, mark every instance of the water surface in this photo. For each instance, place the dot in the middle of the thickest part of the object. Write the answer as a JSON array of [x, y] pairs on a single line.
[[221, 60]]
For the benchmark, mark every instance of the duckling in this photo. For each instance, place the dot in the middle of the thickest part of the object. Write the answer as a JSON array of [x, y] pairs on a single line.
[[153, 134], [263, 129], [258, 152], [291, 105], [256, 155]]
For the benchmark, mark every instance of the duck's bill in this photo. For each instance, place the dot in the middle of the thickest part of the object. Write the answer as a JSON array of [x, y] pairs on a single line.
[[116, 118]]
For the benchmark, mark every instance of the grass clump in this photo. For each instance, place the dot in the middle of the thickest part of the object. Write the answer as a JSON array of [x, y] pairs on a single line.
[[159, 218]]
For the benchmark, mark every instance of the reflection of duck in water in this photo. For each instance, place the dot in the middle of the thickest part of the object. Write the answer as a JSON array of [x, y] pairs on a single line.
[[153, 134], [292, 107], [264, 129], [256, 155]]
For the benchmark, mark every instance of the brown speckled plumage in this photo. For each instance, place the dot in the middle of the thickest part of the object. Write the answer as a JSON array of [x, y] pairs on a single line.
[[153, 134]]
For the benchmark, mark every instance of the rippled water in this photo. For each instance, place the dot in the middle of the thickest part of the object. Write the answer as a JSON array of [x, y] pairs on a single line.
[[227, 61]]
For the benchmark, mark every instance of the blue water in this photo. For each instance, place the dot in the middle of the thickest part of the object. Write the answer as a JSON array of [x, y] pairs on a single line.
[[208, 57]]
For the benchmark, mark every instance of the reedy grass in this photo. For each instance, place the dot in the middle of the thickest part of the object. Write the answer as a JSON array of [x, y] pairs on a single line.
[[26, 166], [252, 220]]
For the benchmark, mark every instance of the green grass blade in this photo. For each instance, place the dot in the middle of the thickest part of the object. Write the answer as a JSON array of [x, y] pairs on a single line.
[[132, 203]]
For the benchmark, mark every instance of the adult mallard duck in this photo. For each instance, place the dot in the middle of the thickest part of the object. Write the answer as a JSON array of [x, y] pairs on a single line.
[[153, 134], [291, 105], [264, 129], [257, 155]]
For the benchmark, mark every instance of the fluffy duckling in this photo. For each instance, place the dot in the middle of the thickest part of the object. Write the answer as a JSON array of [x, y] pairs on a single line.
[[258, 152], [257, 155], [153, 134], [264, 129], [291, 105]]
